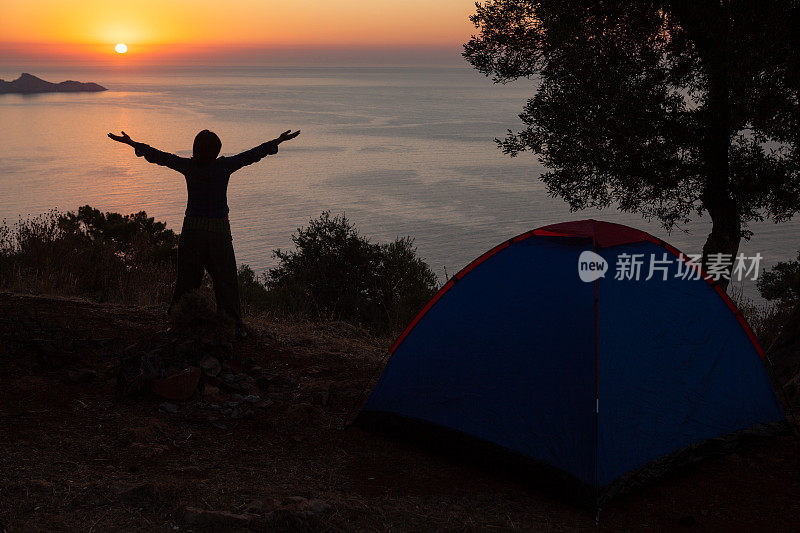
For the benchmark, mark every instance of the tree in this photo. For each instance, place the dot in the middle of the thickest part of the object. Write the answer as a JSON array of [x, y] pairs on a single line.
[[782, 284], [670, 109], [334, 272], [133, 237], [107, 256]]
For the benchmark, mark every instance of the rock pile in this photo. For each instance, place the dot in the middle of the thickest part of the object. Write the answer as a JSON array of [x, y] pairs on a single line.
[[203, 372]]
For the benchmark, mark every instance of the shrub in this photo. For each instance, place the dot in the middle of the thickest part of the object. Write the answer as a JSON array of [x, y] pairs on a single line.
[[766, 319], [252, 292], [106, 256], [782, 283], [134, 237], [780, 286], [335, 273]]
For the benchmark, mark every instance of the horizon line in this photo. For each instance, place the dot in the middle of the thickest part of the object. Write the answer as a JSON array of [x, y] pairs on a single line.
[[222, 45], [18, 54]]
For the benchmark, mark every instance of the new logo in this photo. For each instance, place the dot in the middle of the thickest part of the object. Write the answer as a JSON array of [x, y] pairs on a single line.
[[591, 266]]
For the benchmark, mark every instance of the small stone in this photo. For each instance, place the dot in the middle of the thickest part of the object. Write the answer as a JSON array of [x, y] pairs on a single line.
[[150, 450], [252, 398], [295, 500], [211, 394], [129, 350], [249, 388], [242, 414], [178, 386], [92, 499], [319, 397], [254, 507], [237, 397], [136, 494], [315, 506], [219, 425], [40, 485], [305, 505], [168, 407], [183, 348], [83, 375], [215, 519], [296, 513], [210, 366], [236, 365]]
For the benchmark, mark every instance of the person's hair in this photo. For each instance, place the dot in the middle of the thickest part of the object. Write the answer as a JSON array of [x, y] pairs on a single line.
[[206, 147]]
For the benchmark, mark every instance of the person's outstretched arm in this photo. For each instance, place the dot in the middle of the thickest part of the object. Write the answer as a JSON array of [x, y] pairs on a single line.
[[152, 155], [259, 152]]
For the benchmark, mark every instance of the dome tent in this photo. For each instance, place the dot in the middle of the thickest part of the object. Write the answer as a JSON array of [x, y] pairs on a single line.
[[545, 354]]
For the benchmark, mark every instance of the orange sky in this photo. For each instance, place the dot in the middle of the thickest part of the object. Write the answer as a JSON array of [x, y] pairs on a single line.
[[94, 26]]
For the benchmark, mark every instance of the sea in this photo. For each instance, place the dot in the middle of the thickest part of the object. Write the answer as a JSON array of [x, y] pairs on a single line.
[[401, 150]]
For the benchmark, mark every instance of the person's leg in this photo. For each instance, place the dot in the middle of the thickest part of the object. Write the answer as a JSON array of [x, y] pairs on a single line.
[[221, 265], [190, 266]]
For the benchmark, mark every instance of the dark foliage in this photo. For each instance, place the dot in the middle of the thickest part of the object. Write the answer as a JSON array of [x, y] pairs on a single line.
[[252, 292], [335, 273], [106, 256], [780, 286], [666, 108], [782, 283], [134, 237]]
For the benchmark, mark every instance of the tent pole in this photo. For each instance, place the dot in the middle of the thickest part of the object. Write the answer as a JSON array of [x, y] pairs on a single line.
[[596, 397]]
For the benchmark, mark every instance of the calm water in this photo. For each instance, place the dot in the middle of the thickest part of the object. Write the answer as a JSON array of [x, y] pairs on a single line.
[[402, 151]]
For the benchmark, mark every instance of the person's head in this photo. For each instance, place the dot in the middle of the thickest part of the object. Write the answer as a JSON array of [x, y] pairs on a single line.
[[206, 147]]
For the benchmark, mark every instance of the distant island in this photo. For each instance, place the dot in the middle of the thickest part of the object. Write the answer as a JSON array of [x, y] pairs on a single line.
[[30, 84]]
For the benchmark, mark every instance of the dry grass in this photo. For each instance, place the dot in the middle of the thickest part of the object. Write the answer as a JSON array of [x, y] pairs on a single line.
[[78, 456], [766, 319], [39, 255]]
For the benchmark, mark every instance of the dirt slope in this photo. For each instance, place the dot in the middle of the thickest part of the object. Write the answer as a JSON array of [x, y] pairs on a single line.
[[76, 454]]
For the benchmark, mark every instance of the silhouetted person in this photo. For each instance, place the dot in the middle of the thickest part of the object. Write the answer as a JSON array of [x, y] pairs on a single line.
[[205, 241]]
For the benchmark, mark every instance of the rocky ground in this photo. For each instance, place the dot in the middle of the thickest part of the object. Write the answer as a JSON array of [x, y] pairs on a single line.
[[253, 434]]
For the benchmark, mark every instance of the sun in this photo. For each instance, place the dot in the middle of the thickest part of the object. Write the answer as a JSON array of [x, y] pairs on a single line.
[[121, 48]]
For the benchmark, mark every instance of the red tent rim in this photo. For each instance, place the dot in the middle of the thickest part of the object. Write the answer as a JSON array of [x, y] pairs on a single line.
[[604, 235]]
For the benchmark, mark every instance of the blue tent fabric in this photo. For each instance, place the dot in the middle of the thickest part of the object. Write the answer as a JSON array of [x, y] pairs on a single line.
[[596, 379], [675, 368]]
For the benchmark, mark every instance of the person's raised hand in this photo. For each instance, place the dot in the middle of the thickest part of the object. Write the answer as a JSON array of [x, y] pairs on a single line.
[[122, 138], [287, 136]]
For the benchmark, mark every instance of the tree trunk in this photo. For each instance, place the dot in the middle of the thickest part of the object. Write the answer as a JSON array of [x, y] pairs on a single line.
[[708, 25], [726, 233]]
